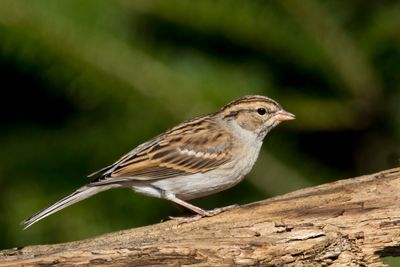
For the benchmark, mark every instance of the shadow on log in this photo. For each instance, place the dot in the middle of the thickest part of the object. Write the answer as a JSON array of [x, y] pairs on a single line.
[[351, 222]]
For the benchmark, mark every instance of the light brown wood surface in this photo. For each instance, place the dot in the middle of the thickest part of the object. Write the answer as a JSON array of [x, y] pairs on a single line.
[[350, 222]]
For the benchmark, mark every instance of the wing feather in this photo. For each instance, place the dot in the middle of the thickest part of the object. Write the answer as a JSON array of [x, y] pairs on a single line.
[[197, 146]]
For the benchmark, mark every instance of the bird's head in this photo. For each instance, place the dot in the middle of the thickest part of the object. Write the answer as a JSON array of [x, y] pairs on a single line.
[[257, 114]]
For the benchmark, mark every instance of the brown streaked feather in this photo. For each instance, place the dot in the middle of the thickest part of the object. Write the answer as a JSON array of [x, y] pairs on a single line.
[[195, 146]]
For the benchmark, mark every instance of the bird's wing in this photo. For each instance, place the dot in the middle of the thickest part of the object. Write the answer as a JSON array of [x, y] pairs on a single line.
[[196, 146]]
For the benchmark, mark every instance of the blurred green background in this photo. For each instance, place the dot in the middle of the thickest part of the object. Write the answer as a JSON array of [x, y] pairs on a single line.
[[84, 82]]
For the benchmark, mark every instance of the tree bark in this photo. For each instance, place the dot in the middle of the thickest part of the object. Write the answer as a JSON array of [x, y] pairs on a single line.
[[352, 222]]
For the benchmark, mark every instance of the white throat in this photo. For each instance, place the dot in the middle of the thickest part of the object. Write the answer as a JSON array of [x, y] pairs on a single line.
[[244, 135]]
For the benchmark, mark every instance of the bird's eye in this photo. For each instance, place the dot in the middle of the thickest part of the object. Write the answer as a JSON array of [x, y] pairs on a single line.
[[261, 111]]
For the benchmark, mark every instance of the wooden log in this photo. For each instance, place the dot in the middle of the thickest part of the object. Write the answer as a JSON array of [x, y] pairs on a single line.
[[352, 222]]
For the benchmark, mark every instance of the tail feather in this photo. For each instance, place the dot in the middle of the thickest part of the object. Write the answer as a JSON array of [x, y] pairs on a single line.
[[80, 194]]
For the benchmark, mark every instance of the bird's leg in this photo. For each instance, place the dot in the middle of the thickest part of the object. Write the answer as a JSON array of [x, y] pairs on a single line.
[[189, 206], [183, 210], [199, 211]]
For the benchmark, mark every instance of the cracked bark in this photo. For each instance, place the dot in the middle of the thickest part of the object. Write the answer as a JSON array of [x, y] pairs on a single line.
[[350, 222]]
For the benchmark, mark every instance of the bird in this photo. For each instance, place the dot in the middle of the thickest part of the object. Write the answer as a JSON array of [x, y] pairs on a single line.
[[199, 157]]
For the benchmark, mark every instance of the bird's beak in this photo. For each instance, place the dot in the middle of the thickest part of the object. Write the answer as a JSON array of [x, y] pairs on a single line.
[[284, 116]]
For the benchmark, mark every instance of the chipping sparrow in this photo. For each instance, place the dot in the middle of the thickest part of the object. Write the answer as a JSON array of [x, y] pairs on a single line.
[[199, 157]]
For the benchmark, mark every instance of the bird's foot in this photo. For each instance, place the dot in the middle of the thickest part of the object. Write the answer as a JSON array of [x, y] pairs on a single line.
[[204, 213], [186, 219], [216, 211]]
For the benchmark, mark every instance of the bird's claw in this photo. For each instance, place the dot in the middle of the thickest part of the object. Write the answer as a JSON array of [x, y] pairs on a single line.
[[207, 213]]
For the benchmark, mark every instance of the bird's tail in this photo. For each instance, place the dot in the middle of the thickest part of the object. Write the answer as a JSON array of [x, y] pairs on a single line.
[[80, 194]]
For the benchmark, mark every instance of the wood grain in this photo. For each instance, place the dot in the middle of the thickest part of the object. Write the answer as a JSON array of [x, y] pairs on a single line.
[[352, 222]]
